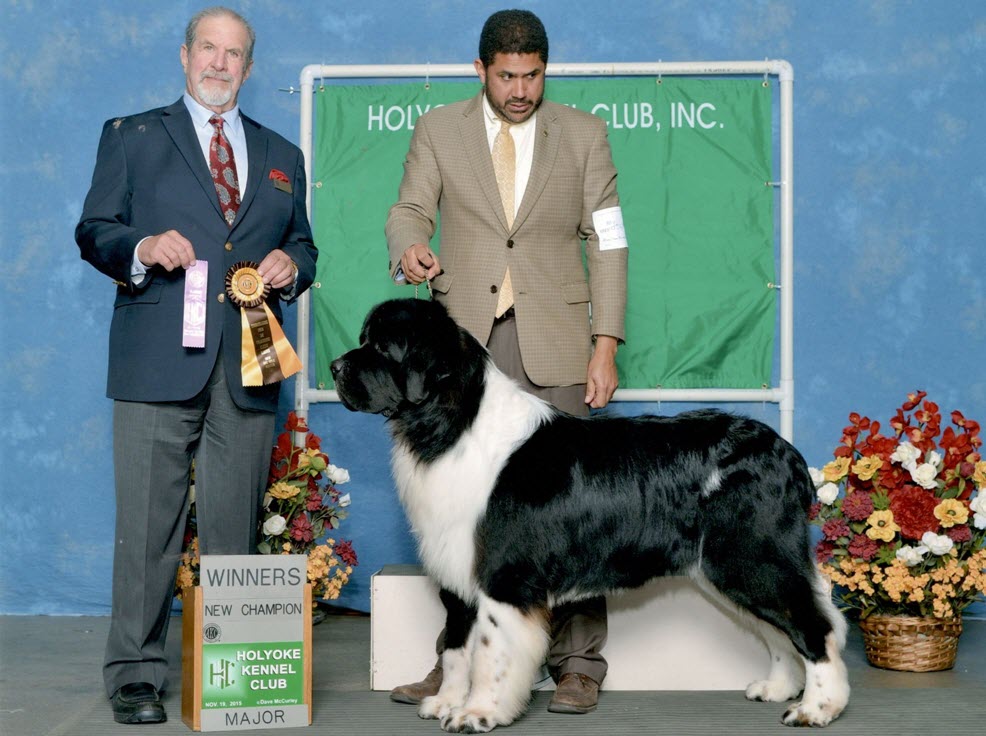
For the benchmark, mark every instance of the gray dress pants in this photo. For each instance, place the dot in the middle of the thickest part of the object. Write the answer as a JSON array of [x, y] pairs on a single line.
[[153, 448]]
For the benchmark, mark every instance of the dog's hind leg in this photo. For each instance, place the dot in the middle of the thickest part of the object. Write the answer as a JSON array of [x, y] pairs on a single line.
[[460, 619], [798, 604], [786, 677], [826, 677], [507, 646]]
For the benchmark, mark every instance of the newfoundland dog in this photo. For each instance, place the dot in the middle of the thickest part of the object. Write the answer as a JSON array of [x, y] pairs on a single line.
[[517, 507]]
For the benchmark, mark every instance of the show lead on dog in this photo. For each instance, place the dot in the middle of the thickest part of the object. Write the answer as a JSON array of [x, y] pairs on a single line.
[[524, 187], [179, 195]]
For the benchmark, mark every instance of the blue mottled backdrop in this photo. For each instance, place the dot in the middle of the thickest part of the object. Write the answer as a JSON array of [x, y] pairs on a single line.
[[890, 216]]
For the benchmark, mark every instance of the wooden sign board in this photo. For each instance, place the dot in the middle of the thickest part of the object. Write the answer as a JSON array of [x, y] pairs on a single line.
[[247, 644]]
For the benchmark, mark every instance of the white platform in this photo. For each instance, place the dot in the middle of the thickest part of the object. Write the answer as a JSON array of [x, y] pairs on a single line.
[[664, 636]]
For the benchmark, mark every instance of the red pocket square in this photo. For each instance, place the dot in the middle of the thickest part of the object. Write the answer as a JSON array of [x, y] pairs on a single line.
[[277, 175]]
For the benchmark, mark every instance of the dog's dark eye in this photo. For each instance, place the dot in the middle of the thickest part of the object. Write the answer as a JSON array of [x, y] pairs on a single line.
[[384, 349]]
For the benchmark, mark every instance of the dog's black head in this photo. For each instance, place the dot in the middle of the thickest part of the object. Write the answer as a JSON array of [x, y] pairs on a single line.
[[410, 352]]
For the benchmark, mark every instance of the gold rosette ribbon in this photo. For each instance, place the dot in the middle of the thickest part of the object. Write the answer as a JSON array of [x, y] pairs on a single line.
[[267, 356]]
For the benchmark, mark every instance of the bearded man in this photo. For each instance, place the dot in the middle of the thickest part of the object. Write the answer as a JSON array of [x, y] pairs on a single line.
[[179, 195]]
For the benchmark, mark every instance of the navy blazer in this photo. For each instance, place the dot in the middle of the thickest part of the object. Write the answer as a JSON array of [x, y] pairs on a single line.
[[150, 177]]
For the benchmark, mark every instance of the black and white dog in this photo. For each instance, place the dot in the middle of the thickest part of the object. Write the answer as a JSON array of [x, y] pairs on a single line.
[[517, 506]]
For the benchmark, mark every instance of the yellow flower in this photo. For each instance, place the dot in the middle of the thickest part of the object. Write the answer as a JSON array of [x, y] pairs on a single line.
[[979, 475], [951, 511], [836, 470], [284, 490], [866, 467], [185, 577], [882, 526]]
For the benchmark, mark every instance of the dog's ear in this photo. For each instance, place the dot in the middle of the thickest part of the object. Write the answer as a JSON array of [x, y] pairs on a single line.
[[423, 373]]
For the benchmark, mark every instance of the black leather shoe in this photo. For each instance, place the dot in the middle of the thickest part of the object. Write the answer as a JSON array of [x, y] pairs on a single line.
[[138, 702]]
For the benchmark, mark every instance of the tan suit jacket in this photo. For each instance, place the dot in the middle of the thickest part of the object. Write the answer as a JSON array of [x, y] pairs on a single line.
[[449, 169]]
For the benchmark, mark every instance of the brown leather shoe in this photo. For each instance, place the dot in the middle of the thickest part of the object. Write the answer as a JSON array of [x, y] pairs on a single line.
[[417, 691], [575, 694]]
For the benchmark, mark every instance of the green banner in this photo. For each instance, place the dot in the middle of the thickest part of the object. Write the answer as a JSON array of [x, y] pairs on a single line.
[[694, 159]]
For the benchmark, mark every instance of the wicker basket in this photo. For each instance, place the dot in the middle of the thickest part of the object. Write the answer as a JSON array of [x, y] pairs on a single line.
[[911, 643]]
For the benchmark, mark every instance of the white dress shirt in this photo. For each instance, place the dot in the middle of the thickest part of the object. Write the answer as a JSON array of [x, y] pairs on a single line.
[[523, 135]]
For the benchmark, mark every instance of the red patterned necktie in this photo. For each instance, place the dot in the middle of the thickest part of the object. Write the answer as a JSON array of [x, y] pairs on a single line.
[[223, 168]]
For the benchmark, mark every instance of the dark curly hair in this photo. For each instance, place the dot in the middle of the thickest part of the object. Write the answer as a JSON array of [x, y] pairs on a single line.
[[512, 32]]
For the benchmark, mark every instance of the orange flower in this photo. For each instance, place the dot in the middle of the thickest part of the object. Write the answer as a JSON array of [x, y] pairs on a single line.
[[882, 526], [866, 467], [836, 470], [951, 511], [979, 475]]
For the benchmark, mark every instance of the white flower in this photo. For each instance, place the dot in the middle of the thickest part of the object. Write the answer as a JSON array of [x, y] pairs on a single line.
[[338, 476], [275, 525], [817, 477], [912, 556], [906, 454], [934, 458], [937, 544], [344, 501], [978, 507], [924, 475], [828, 493]]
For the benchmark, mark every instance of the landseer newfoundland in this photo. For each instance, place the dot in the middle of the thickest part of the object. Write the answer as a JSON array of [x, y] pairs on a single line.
[[516, 507]]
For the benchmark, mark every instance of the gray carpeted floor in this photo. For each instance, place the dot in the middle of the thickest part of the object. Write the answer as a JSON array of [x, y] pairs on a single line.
[[50, 685]]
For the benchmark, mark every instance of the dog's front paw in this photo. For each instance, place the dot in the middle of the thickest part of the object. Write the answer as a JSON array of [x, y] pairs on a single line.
[[772, 691], [434, 707], [463, 720], [803, 714]]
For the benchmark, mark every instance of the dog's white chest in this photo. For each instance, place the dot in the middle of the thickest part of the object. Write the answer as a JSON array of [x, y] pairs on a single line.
[[444, 500]]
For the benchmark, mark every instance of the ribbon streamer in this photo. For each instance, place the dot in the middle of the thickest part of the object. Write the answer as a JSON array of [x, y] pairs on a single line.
[[266, 354]]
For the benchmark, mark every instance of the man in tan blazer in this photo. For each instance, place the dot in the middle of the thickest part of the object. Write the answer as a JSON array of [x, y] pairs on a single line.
[[524, 187]]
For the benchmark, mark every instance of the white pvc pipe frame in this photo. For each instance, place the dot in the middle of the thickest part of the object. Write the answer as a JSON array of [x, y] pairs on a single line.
[[782, 394]]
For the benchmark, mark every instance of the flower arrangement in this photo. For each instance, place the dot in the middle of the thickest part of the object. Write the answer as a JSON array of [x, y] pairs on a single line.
[[298, 509], [302, 503], [903, 517]]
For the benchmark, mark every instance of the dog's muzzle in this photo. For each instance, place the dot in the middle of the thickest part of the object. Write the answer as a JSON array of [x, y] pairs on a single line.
[[337, 367]]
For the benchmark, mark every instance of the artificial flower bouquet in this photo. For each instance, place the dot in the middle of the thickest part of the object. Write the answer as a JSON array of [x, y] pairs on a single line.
[[302, 503], [903, 517]]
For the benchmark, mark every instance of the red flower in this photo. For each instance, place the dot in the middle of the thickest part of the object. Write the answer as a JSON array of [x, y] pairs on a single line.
[[899, 422], [857, 506], [959, 533], [813, 510], [863, 547], [914, 399], [835, 528], [824, 550], [294, 422], [283, 448], [314, 502], [913, 510], [301, 529], [893, 476], [345, 552]]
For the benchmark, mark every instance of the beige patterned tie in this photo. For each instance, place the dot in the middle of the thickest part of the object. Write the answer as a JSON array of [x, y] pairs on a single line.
[[504, 166]]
